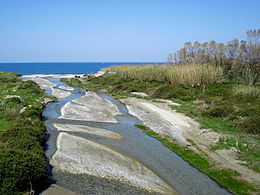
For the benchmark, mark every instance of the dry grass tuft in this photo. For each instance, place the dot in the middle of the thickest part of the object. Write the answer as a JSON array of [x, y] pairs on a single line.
[[247, 89]]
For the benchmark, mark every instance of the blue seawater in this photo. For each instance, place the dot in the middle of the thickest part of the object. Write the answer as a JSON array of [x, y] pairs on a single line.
[[59, 67]]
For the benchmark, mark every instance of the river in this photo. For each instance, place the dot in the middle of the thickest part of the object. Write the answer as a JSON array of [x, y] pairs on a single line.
[[135, 144]]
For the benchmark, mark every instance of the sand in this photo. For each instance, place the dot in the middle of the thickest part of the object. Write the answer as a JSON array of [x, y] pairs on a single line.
[[90, 107]]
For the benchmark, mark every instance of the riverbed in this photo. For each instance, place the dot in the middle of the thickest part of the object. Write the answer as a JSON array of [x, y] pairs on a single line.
[[110, 155]]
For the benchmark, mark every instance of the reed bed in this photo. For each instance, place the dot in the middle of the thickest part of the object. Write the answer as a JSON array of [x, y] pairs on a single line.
[[189, 75]]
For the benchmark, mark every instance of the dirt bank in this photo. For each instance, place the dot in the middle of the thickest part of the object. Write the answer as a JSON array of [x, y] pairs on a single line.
[[167, 122]]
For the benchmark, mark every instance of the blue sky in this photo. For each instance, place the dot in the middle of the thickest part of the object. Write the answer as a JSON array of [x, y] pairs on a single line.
[[117, 30]]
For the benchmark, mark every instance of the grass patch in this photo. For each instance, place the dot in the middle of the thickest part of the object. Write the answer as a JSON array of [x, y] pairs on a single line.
[[225, 177], [248, 90], [246, 145]]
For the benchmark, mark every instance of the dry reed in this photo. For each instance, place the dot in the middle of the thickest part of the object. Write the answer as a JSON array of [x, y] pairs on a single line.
[[190, 75]]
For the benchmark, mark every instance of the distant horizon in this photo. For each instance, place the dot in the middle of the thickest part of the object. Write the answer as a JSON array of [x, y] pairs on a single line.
[[62, 67]]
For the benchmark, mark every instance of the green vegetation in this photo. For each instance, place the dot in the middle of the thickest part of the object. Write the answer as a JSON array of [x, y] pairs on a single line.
[[225, 177], [220, 107], [22, 135]]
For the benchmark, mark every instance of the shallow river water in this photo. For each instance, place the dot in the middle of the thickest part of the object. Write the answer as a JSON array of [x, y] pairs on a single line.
[[176, 172]]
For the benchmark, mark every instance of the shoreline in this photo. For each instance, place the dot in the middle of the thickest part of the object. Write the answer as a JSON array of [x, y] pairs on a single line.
[[59, 76]]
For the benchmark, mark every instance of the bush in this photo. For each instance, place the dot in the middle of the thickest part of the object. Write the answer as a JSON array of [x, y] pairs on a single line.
[[14, 100], [8, 77], [31, 85], [11, 113], [32, 111], [17, 139], [19, 170], [28, 128], [171, 91], [218, 112], [250, 124]]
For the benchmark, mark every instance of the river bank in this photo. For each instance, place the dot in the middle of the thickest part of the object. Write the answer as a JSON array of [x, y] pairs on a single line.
[[22, 135], [221, 164]]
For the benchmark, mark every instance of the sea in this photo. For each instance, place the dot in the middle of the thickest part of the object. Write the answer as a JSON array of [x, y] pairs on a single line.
[[61, 67]]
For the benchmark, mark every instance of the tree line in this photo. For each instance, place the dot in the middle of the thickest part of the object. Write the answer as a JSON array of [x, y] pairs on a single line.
[[239, 58]]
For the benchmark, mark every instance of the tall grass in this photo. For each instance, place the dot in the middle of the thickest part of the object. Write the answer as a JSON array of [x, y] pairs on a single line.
[[190, 75], [248, 89]]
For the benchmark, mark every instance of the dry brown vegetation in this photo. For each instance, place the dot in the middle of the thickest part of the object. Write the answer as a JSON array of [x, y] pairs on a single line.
[[189, 75]]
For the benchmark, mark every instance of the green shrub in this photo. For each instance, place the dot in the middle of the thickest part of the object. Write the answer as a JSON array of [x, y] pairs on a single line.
[[14, 100], [218, 111], [8, 77], [23, 138], [11, 113], [33, 111], [171, 91], [31, 85], [19, 170], [25, 143], [249, 111], [250, 124], [219, 89]]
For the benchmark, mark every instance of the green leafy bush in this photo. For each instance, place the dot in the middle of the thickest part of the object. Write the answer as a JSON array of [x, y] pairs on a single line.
[[170, 91], [20, 170], [218, 111], [32, 111], [14, 100], [250, 124], [9, 77], [30, 85]]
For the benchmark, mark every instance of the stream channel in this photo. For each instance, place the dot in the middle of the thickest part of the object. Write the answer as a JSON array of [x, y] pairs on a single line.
[[136, 144]]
